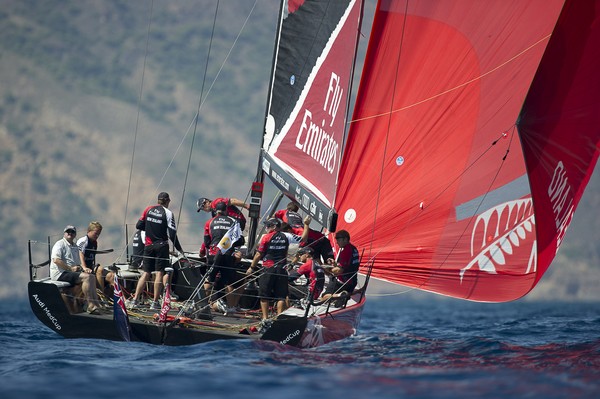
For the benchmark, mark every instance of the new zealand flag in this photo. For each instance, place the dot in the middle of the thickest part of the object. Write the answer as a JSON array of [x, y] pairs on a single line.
[[120, 313]]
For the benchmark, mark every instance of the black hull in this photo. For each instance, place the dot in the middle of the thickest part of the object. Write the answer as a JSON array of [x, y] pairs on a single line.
[[296, 330]]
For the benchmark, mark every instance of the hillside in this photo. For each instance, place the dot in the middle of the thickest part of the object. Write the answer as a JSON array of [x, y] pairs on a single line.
[[88, 84], [69, 116]]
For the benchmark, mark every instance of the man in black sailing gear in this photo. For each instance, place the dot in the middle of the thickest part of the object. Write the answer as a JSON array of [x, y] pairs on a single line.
[[290, 215], [88, 245], [343, 270], [273, 282], [232, 204], [312, 270], [139, 238], [159, 224], [223, 263]]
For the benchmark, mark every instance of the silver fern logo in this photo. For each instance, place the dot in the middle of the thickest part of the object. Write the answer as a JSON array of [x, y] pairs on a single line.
[[499, 233]]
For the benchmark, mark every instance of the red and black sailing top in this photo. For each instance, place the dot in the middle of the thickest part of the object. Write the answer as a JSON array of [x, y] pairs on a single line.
[[290, 217], [273, 247], [232, 211], [313, 235], [159, 224], [348, 259], [214, 230], [315, 274]]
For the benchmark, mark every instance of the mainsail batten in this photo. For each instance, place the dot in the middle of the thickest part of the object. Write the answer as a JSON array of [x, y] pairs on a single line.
[[434, 128]]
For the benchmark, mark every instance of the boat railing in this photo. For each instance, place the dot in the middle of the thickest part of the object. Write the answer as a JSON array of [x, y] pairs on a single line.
[[33, 268]]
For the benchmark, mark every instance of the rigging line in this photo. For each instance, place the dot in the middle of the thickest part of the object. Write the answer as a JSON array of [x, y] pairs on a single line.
[[207, 93], [513, 58], [478, 207], [137, 120], [204, 100], [387, 135], [197, 117]]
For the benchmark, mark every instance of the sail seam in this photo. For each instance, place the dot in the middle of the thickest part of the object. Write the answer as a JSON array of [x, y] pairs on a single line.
[[387, 135], [516, 56]]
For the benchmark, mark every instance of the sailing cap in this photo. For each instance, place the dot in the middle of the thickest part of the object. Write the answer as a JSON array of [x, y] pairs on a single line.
[[305, 250], [69, 228], [164, 196], [200, 203], [273, 222]]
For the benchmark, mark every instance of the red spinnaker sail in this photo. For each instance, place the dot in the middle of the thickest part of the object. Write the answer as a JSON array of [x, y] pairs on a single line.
[[474, 133]]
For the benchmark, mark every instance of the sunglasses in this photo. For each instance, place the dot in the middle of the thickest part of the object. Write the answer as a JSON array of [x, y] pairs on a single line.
[[70, 232]]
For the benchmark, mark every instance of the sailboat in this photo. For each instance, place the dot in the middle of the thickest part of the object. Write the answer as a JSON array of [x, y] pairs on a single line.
[[474, 132]]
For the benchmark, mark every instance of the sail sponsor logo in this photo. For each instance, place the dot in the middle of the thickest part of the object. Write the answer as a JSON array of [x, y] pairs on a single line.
[[561, 199], [280, 180], [290, 337], [313, 138], [350, 215], [305, 201], [313, 208], [49, 314], [266, 165], [297, 195], [501, 232], [334, 97]]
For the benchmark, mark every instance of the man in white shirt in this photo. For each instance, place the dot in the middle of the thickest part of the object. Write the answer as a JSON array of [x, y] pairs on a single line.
[[66, 266]]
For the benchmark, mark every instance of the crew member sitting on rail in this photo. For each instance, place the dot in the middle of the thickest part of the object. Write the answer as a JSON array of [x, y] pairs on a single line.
[[88, 245], [344, 269], [66, 266]]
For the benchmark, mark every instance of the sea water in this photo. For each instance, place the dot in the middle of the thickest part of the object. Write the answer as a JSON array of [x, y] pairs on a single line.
[[403, 349]]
